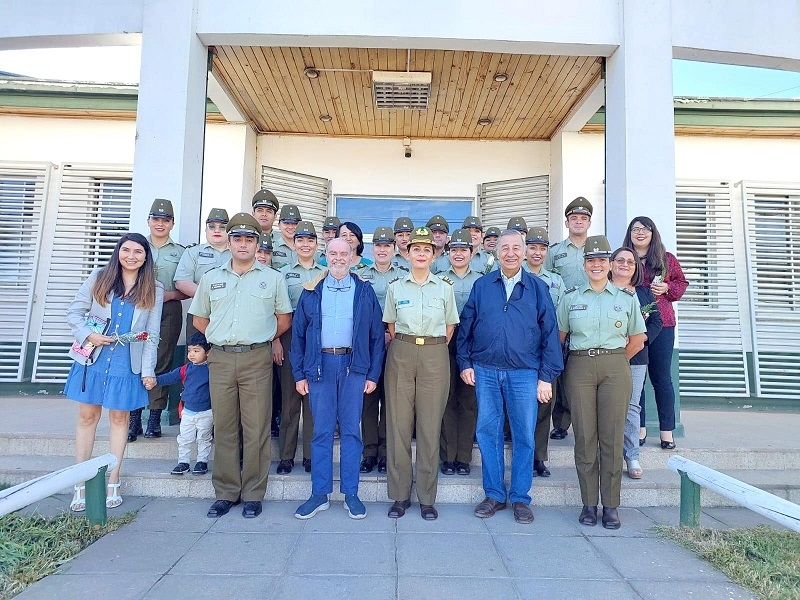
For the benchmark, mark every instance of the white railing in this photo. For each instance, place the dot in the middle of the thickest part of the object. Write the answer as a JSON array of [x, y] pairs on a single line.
[[92, 471], [694, 476]]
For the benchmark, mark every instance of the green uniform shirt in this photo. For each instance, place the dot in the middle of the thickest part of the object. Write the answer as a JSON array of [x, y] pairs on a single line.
[[199, 260], [599, 320], [401, 261], [422, 310], [462, 286], [482, 262], [380, 281], [441, 263], [566, 259], [553, 280], [282, 255], [295, 276], [241, 308], [165, 262]]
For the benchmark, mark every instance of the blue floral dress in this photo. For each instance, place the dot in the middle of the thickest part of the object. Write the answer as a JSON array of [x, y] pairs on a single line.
[[110, 382]]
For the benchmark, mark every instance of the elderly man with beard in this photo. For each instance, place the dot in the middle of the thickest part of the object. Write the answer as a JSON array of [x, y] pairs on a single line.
[[507, 347], [337, 355]]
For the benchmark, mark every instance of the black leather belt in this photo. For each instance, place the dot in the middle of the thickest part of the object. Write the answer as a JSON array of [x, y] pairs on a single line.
[[421, 340], [337, 350], [242, 347], [596, 352]]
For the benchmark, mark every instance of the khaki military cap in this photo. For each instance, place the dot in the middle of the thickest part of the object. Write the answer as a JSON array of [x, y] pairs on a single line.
[[492, 232], [597, 246], [403, 224], [331, 223], [438, 223], [162, 208], [473, 222], [537, 235], [518, 223], [461, 239], [422, 235], [265, 242], [265, 198], [219, 215], [244, 224], [383, 235], [289, 212], [579, 206], [305, 229]]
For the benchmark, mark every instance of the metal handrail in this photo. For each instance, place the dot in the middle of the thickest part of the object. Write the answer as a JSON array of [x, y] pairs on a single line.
[[92, 471]]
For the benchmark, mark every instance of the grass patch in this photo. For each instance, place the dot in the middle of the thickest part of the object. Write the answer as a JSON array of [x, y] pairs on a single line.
[[764, 560], [34, 547]]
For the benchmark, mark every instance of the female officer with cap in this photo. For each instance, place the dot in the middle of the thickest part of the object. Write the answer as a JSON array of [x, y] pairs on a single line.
[[606, 329], [420, 314]]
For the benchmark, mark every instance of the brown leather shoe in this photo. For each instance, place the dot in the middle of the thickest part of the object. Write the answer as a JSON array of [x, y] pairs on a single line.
[[428, 512], [588, 516], [611, 518], [398, 509], [523, 513], [488, 508]]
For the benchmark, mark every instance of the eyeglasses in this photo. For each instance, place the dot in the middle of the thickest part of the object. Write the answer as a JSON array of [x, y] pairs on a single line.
[[215, 227], [640, 229], [332, 288], [622, 261]]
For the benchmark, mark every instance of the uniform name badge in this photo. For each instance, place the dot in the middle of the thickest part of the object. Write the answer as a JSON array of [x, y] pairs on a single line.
[[293, 276], [403, 303], [578, 307], [278, 253], [562, 255], [206, 254], [218, 286]]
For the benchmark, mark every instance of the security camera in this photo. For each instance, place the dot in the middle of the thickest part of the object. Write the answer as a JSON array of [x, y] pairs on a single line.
[[407, 153], [407, 147]]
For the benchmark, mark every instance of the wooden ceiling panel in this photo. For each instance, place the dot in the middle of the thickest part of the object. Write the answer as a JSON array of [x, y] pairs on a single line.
[[270, 88]]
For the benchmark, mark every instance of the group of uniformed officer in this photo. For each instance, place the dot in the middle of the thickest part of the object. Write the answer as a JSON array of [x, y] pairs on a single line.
[[411, 310]]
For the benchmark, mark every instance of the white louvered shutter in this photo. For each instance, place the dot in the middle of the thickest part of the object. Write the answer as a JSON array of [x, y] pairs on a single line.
[[772, 216], [712, 357], [23, 188], [528, 197], [94, 206], [309, 193]]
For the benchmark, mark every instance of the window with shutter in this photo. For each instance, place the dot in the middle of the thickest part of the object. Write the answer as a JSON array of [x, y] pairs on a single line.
[[23, 188], [528, 197], [309, 193], [93, 211]]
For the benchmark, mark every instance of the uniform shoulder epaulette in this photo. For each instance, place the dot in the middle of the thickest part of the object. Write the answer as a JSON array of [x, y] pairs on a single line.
[[402, 268], [192, 245], [446, 279], [627, 291], [554, 244], [570, 290], [395, 279], [275, 269]]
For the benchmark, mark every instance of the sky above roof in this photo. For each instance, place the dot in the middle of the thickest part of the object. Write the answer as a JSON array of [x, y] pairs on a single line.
[[122, 64]]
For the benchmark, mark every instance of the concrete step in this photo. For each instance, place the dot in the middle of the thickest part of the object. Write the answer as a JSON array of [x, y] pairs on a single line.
[[560, 451], [659, 487]]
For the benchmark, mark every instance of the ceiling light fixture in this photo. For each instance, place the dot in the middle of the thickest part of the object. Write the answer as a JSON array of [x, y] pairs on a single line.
[[484, 121], [325, 118], [311, 73], [500, 77]]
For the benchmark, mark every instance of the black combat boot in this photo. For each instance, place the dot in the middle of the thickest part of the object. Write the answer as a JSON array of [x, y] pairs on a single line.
[[153, 424], [135, 425]]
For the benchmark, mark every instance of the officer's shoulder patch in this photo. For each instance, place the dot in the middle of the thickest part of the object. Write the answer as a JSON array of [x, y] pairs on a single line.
[[403, 268], [395, 279], [187, 246], [627, 291], [446, 279], [570, 290], [292, 275]]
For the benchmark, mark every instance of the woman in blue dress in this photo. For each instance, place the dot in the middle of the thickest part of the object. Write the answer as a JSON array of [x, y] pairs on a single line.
[[119, 298]]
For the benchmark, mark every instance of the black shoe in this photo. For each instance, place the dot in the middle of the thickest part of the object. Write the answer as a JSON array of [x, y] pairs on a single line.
[[368, 464], [251, 510], [180, 469], [200, 468], [448, 468], [541, 469], [382, 464], [428, 512], [667, 445], [611, 518], [135, 425], [307, 465], [642, 441], [153, 424], [220, 507], [588, 516], [462, 468], [399, 508], [285, 466], [558, 434]]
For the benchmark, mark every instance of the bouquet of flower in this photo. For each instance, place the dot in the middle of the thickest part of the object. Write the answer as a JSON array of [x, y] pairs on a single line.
[[132, 336], [647, 309]]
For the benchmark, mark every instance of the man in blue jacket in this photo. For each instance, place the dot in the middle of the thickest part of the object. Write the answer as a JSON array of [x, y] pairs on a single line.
[[337, 356], [507, 347]]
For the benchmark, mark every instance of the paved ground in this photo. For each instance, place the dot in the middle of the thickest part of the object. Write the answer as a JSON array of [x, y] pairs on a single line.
[[173, 551]]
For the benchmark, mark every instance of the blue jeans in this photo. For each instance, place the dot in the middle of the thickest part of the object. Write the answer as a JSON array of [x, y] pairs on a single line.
[[630, 447], [659, 368], [517, 389], [337, 396]]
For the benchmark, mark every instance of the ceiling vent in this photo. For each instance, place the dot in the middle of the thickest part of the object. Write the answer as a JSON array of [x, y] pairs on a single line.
[[401, 90]]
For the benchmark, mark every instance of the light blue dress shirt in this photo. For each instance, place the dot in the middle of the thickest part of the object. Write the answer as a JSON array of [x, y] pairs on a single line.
[[337, 312]]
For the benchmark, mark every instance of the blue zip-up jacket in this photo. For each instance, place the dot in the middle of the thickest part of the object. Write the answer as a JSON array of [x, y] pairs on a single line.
[[368, 332], [521, 333], [196, 396]]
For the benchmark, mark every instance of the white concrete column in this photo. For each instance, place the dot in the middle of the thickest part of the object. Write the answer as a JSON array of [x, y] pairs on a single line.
[[170, 117], [640, 138]]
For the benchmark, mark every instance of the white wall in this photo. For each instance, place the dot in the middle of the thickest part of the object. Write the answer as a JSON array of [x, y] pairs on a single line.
[[377, 166]]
